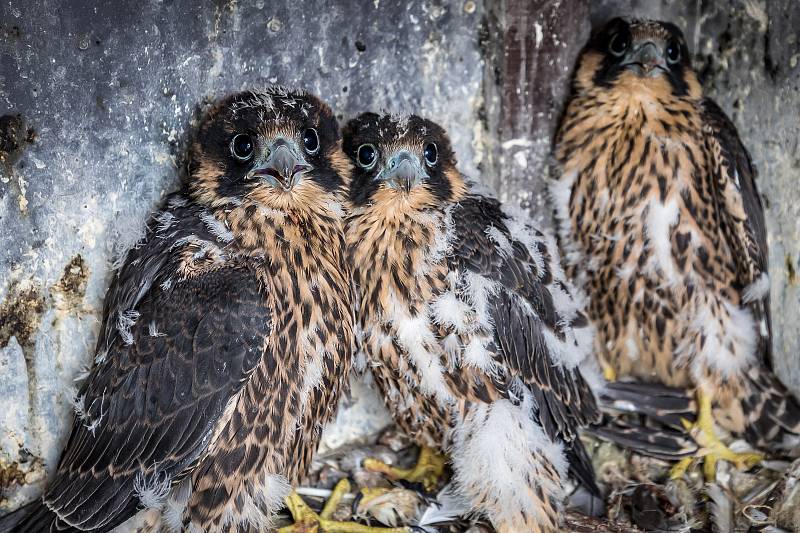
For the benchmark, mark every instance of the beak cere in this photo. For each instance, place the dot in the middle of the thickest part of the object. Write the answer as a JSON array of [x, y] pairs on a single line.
[[403, 172], [405, 175], [283, 166], [645, 58]]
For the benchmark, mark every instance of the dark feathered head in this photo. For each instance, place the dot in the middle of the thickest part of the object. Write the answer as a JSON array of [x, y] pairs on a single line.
[[402, 163], [276, 147], [638, 54]]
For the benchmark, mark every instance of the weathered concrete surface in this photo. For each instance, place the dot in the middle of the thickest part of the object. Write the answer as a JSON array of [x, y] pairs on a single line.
[[106, 95]]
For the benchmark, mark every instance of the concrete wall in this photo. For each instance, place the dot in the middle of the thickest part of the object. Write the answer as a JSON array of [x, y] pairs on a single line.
[[96, 103]]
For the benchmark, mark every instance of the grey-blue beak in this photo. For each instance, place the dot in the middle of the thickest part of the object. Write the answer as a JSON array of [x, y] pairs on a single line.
[[403, 171], [645, 59], [281, 165]]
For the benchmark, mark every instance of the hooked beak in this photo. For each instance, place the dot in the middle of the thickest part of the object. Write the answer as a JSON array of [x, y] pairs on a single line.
[[645, 59], [403, 171], [281, 165]]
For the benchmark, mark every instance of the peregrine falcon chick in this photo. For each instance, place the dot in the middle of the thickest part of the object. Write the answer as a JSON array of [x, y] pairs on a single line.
[[226, 336], [662, 224], [470, 329]]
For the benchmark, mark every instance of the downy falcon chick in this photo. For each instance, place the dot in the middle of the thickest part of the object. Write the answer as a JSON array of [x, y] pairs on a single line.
[[662, 225], [226, 335], [469, 327]]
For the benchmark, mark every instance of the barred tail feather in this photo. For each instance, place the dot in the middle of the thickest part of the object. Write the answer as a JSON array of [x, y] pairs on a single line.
[[773, 412]]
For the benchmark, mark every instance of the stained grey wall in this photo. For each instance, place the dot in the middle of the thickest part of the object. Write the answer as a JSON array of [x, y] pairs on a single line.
[[97, 102]]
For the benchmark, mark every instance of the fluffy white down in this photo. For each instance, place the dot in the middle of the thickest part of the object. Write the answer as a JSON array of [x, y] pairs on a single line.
[[260, 501], [125, 321], [502, 242], [520, 230], [477, 290], [312, 371], [658, 224], [450, 311], [152, 490], [175, 505], [731, 340], [756, 290], [497, 451], [442, 241], [416, 337], [217, 227]]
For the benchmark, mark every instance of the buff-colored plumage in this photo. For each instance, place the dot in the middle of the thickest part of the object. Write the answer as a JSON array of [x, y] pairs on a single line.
[[661, 223], [468, 326], [227, 334]]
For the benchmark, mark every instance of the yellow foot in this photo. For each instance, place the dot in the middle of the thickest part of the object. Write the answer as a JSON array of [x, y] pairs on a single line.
[[307, 521], [608, 372], [711, 448], [428, 470]]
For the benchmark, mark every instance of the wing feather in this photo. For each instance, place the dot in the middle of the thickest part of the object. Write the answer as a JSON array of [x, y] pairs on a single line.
[[739, 205], [523, 312], [151, 405]]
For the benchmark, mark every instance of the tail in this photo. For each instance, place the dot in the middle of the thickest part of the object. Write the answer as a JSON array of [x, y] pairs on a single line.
[[773, 413], [660, 442], [591, 501], [34, 517], [580, 466], [658, 403], [646, 418]]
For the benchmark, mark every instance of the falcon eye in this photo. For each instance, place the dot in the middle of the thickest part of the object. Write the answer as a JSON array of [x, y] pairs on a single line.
[[367, 156], [673, 52], [311, 141], [619, 44], [242, 147], [431, 154]]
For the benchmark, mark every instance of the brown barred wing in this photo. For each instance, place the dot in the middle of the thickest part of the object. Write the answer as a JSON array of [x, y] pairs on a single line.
[[772, 413], [742, 215], [147, 412]]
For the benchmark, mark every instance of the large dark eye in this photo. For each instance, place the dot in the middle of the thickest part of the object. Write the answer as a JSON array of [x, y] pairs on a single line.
[[311, 141], [367, 155], [673, 52], [242, 147], [619, 44], [431, 154]]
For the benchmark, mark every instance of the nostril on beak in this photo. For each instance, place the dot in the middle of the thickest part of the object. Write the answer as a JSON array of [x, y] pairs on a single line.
[[649, 56], [284, 162]]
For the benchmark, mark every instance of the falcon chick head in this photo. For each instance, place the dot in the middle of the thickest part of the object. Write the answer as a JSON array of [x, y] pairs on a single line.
[[400, 163], [277, 147], [636, 55]]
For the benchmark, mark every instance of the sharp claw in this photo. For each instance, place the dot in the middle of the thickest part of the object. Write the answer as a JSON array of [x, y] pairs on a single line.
[[711, 448], [427, 471], [307, 521], [680, 469]]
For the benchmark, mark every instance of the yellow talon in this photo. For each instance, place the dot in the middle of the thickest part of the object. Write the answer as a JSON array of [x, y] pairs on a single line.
[[307, 521], [608, 372], [711, 448], [428, 470], [677, 471]]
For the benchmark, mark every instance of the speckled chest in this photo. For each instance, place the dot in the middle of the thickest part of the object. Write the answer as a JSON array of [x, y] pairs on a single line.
[[397, 273], [302, 269], [642, 231]]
